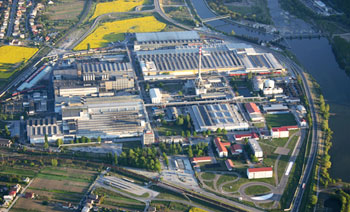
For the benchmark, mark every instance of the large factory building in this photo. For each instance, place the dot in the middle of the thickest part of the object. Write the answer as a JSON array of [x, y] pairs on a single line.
[[212, 117]]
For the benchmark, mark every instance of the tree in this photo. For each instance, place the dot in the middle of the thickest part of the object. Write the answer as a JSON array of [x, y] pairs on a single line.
[[190, 152], [46, 145], [224, 131], [254, 159], [195, 134], [183, 133], [250, 75], [180, 93], [188, 133], [218, 131], [115, 159], [208, 132], [313, 199], [166, 159], [99, 139], [59, 142], [147, 87], [179, 121], [46, 139], [88, 46], [54, 162]]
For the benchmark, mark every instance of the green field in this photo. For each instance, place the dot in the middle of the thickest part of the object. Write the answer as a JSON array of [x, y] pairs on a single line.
[[257, 190], [225, 178], [278, 120], [207, 176]]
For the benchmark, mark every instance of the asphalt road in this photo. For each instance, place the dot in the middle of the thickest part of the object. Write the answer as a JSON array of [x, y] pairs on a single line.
[[12, 18]]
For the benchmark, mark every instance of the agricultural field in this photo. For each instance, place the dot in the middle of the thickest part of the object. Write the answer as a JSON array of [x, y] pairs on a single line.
[[12, 57], [54, 185], [65, 10], [115, 6], [114, 31]]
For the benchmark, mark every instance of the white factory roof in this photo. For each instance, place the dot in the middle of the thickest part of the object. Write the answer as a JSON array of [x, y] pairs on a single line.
[[161, 36], [155, 93]]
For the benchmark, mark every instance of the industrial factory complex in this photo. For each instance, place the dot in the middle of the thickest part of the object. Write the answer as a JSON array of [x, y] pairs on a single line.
[[101, 96], [181, 107]]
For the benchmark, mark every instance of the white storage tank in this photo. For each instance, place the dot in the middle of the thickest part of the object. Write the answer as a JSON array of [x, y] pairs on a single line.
[[269, 84]]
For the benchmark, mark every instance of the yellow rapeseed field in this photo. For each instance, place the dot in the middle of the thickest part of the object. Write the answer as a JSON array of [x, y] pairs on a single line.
[[114, 31], [115, 6], [197, 210], [15, 54]]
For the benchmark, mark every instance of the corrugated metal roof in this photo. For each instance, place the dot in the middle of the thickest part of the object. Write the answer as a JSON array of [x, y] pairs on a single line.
[[160, 36]]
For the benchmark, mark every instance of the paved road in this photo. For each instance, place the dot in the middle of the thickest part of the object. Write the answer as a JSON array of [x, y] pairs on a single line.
[[12, 18]]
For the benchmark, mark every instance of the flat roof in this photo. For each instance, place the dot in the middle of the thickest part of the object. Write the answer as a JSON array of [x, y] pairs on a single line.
[[161, 36], [263, 169]]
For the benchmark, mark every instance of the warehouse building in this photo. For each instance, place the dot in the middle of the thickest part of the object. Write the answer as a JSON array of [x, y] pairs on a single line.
[[103, 70], [255, 147], [107, 117], [37, 128], [240, 137], [212, 117], [259, 62], [204, 159], [258, 173], [254, 112], [156, 95], [156, 40], [276, 109], [185, 60]]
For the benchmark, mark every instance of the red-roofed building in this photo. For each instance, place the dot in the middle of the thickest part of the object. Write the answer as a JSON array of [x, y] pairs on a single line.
[[201, 159], [29, 195], [257, 173], [229, 164], [282, 132], [254, 112], [236, 149], [220, 148], [13, 193], [240, 137], [226, 144]]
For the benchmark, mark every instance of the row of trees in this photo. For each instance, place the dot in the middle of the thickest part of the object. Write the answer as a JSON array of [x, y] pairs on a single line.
[[146, 158], [197, 150]]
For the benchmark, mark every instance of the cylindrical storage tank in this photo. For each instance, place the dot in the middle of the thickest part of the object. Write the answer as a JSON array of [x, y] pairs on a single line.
[[269, 84]]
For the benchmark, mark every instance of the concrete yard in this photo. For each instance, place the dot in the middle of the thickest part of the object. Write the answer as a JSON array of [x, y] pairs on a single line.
[[129, 187], [183, 175]]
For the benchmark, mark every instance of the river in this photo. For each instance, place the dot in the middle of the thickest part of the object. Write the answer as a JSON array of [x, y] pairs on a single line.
[[317, 57]]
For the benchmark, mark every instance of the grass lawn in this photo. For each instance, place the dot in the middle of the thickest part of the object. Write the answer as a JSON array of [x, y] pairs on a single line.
[[207, 176], [114, 31], [278, 120], [257, 190], [232, 187], [292, 144], [225, 178], [171, 127], [209, 184], [131, 145], [164, 205]]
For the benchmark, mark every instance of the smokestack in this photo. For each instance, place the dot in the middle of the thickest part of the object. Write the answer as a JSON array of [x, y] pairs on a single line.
[[200, 63]]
